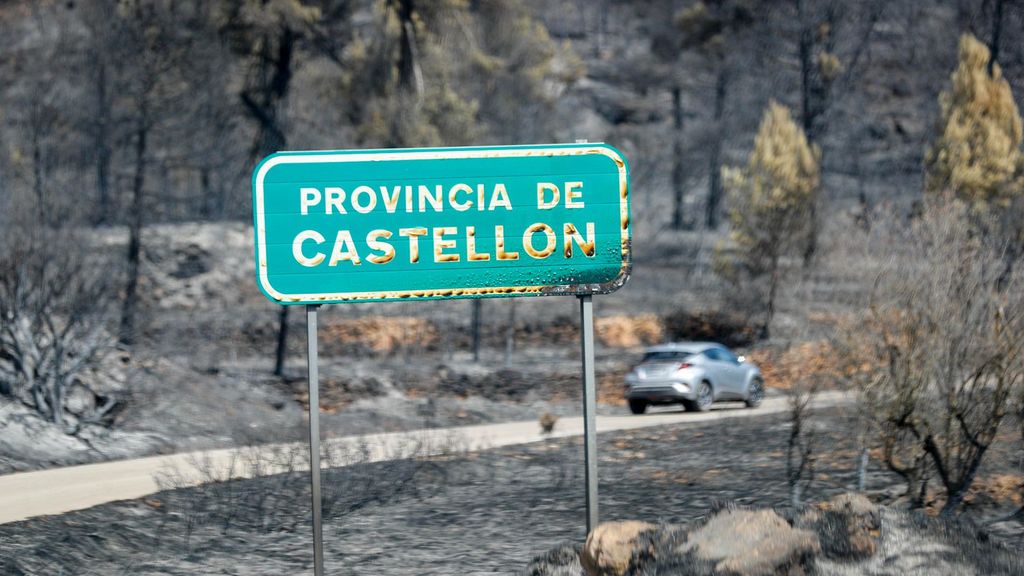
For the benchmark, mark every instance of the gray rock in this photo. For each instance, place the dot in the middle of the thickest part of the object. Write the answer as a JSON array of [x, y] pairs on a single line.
[[752, 543], [851, 537]]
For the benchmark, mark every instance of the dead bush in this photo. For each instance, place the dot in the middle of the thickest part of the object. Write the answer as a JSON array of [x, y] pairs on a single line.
[[629, 331], [56, 350], [507, 384], [940, 354], [609, 387], [733, 330], [265, 489], [336, 392], [996, 489], [781, 368], [378, 335]]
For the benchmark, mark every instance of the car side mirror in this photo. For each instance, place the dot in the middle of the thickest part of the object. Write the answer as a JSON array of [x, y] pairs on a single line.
[[741, 359]]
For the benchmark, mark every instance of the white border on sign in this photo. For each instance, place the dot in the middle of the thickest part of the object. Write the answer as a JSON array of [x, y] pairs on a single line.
[[314, 158]]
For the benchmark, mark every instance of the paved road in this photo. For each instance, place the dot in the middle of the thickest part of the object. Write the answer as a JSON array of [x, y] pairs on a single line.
[[28, 494]]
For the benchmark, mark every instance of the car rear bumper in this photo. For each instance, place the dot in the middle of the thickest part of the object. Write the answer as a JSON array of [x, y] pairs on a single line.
[[670, 391]]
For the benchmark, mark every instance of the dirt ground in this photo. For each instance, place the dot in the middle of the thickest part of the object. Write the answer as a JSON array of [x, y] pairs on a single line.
[[484, 513]]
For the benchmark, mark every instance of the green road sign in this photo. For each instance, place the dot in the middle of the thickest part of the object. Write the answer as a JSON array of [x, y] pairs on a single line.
[[434, 223]]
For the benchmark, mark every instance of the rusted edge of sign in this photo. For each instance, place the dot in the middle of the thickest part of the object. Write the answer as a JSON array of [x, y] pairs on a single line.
[[440, 154]]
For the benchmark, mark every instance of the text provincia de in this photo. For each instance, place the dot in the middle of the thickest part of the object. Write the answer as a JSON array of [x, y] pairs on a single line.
[[449, 243]]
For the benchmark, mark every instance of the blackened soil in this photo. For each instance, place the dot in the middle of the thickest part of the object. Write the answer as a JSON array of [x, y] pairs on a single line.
[[485, 513]]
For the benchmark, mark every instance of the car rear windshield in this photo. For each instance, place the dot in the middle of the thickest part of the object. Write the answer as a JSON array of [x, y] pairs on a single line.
[[667, 356]]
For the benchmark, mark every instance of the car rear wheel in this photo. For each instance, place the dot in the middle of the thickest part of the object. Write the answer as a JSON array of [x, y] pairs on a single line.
[[705, 397], [755, 394], [638, 406]]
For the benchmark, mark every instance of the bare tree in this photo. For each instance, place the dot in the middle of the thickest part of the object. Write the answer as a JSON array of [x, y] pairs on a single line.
[[1020, 424], [805, 370], [40, 123], [100, 125], [668, 45], [800, 442], [832, 42], [679, 219], [989, 20], [54, 304], [714, 30], [510, 332], [997, 32], [269, 36], [477, 328], [155, 84], [946, 342]]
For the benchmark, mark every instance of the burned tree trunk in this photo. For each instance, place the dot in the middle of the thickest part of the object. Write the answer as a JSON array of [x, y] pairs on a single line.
[[263, 98], [800, 443], [997, 31], [679, 219], [129, 308], [281, 351], [715, 159], [102, 146], [409, 73], [477, 322]]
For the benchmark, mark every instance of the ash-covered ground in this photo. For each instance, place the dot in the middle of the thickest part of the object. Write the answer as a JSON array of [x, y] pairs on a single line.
[[174, 407], [479, 513], [203, 377]]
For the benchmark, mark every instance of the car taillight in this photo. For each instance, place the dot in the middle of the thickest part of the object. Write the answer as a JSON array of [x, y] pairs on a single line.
[[683, 365]]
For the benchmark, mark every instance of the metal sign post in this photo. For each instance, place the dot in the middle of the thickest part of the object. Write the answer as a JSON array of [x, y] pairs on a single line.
[[314, 438], [589, 407], [405, 225], [589, 403]]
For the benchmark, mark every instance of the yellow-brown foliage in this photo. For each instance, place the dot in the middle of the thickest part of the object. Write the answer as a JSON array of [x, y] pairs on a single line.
[[699, 26], [977, 154], [382, 334], [268, 15], [985, 491], [1002, 488], [477, 69], [829, 65], [797, 364], [708, 28], [770, 199], [629, 331], [609, 387]]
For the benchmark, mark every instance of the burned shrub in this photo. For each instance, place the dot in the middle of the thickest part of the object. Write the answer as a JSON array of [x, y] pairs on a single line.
[[848, 527], [506, 384], [733, 330], [55, 347], [629, 331]]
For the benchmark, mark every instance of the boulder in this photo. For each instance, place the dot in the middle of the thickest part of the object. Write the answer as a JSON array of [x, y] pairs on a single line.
[[752, 543], [610, 546], [846, 536], [848, 526]]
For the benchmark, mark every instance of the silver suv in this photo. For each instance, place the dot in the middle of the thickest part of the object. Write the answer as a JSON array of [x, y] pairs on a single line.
[[695, 374]]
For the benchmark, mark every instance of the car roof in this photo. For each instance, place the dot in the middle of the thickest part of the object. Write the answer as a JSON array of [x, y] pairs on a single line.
[[685, 347]]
